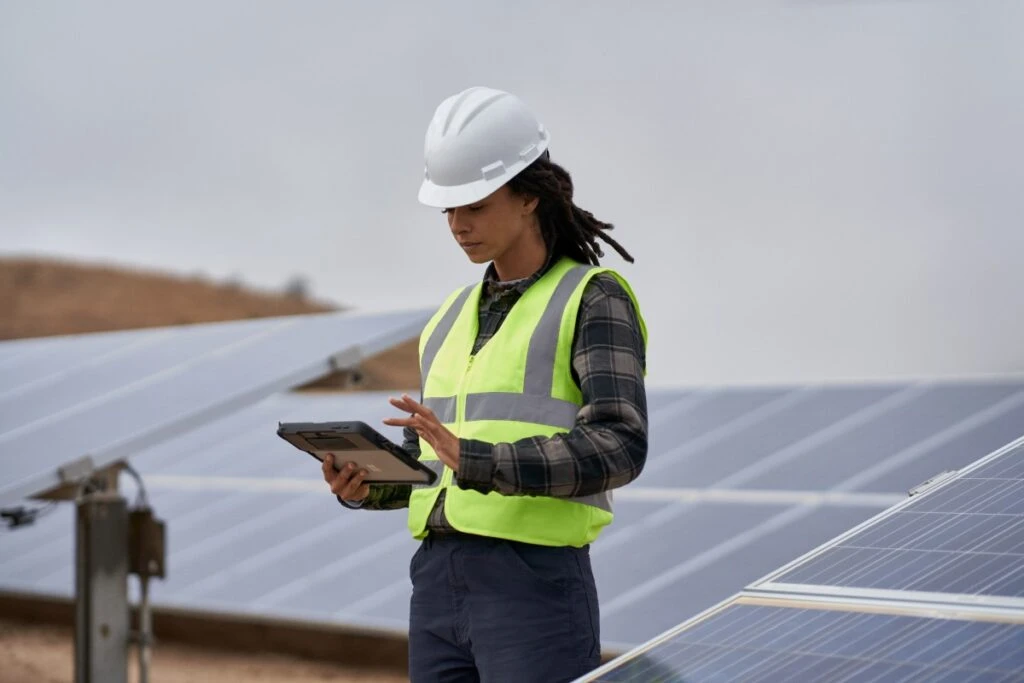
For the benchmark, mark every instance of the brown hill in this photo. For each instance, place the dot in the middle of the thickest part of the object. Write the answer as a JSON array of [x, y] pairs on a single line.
[[43, 297]]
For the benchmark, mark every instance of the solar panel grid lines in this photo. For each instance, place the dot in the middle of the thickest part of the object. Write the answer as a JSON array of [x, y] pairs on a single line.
[[623, 534], [968, 572], [750, 640], [970, 422], [1004, 468], [271, 515], [660, 582], [364, 606], [822, 436], [702, 559], [25, 360], [112, 395], [994, 459], [967, 495], [960, 541], [190, 452], [333, 569], [64, 372], [677, 407], [314, 534], [185, 357], [669, 513], [679, 453]]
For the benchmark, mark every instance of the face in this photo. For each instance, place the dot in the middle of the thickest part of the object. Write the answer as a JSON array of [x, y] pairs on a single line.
[[489, 228]]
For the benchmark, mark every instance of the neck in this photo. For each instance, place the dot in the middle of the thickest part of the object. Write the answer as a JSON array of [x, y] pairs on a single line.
[[522, 259]]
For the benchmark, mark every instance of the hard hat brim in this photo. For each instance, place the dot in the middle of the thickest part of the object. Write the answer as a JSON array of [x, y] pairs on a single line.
[[443, 197], [451, 196]]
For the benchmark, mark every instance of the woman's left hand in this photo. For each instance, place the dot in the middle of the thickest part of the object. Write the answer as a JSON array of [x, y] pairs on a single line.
[[425, 422]]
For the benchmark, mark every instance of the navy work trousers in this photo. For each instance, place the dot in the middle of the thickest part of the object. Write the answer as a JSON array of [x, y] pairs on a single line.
[[491, 610]]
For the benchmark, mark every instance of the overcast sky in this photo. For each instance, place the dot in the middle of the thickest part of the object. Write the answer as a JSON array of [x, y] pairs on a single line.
[[813, 190]]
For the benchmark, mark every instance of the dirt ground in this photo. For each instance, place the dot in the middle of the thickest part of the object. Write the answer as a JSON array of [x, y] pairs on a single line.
[[43, 654]]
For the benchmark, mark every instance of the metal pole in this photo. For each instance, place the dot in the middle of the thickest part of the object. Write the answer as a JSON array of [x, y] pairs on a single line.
[[145, 629], [101, 586]]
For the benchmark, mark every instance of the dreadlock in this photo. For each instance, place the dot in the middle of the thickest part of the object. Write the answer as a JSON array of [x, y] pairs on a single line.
[[568, 230]]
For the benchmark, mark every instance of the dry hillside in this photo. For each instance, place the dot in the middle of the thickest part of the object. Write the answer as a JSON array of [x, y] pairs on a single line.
[[43, 297]]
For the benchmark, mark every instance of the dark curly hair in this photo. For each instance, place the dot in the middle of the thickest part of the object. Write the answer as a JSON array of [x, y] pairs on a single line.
[[568, 230]]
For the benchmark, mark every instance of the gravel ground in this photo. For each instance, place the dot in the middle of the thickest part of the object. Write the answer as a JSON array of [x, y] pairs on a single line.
[[43, 654]]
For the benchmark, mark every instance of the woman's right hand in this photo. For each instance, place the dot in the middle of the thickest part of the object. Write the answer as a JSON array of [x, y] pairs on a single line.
[[346, 482]]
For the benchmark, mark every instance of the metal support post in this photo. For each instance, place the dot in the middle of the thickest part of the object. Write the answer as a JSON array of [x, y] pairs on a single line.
[[101, 586]]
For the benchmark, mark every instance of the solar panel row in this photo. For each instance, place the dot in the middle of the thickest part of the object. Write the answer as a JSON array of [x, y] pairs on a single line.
[[743, 641], [252, 529], [896, 587], [109, 396], [966, 537]]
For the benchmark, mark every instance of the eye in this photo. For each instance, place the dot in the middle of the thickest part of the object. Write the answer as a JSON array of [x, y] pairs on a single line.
[[473, 208]]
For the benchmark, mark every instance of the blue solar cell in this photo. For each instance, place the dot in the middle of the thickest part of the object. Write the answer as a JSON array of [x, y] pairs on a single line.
[[702, 576], [986, 436], [899, 428], [965, 537], [702, 412], [740, 444], [769, 643], [1002, 468]]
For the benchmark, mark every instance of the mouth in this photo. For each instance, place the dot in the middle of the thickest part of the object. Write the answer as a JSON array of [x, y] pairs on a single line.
[[469, 245]]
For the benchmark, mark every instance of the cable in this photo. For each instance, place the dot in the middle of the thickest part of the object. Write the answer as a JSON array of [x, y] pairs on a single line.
[[141, 499], [23, 516]]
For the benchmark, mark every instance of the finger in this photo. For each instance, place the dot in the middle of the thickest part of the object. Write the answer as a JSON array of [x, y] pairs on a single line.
[[409, 405], [341, 479], [399, 421], [428, 413], [427, 431], [399, 403], [416, 406], [429, 424], [403, 405], [351, 490], [327, 466]]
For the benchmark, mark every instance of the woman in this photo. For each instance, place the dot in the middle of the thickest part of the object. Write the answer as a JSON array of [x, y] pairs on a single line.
[[532, 410]]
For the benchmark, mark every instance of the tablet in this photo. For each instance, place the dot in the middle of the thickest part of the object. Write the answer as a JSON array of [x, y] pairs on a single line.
[[358, 442]]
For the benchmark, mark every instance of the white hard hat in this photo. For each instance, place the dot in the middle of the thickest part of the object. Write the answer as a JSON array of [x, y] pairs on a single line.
[[477, 141]]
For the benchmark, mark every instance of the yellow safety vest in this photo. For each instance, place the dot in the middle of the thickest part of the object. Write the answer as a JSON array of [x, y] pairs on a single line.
[[518, 385]]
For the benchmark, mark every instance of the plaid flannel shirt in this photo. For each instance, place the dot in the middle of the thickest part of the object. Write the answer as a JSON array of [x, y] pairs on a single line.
[[605, 449]]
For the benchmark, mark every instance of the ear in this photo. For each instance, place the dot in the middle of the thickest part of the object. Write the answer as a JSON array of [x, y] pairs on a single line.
[[530, 205]]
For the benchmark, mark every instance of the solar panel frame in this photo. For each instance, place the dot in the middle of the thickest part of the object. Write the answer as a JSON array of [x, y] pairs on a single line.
[[774, 582]]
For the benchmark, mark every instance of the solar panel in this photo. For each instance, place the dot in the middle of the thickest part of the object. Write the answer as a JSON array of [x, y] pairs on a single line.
[[248, 515], [964, 537], [746, 641], [108, 396]]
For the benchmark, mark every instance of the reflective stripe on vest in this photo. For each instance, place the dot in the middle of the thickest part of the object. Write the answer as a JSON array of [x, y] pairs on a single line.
[[437, 338]]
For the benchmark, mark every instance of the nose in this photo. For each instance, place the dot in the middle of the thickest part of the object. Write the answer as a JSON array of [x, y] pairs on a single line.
[[458, 221]]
